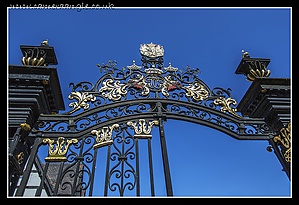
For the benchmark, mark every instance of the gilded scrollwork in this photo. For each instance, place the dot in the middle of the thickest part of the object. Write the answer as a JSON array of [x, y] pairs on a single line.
[[285, 139], [170, 85], [20, 157], [196, 91], [113, 90], [226, 105], [151, 80], [82, 98]]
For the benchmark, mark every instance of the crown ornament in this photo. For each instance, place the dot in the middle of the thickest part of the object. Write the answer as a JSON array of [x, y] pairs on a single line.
[[103, 136], [151, 50], [144, 129], [58, 153]]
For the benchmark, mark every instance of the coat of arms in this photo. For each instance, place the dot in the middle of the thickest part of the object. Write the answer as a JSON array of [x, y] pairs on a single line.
[[151, 50]]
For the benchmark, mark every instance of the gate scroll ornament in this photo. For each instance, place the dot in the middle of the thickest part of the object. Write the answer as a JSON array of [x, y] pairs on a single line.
[[137, 97]]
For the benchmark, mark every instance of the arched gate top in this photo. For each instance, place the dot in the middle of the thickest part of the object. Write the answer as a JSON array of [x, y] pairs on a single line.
[[149, 91]]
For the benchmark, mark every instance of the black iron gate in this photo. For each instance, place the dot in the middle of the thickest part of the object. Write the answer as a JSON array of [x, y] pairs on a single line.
[[121, 109]]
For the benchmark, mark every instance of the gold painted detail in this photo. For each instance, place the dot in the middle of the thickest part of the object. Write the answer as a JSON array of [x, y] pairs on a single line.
[[103, 136], [245, 54], [196, 91], [113, 90], [61, 148], [169, 85], [45, 43], [29, 61], [262, 72], [20, 157], [285, 139], [25, 126], [226, 105], [142, 131], [82, 99]]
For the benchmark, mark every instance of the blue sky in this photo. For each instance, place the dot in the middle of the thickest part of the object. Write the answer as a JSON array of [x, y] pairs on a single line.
[[203, 161]]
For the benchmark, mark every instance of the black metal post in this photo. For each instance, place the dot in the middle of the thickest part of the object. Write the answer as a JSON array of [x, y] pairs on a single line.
[[137, 168], [40, 188], [165, 159], [107, 171], [150, 161], [26, 174], [93, 170]]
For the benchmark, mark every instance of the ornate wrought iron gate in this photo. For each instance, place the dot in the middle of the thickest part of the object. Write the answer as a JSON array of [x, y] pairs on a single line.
[[122, 108]]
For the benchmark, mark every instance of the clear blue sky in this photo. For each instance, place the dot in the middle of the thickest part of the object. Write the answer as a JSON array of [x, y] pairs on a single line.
[[203, 161]]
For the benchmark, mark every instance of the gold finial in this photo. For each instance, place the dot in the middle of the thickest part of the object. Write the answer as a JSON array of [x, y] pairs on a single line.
[[245, 54], [45, 43], [25, 126]]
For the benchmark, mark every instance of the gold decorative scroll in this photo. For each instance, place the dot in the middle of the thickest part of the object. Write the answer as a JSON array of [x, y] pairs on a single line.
[[82, 99], [196, 91], [113, 90], [285, 140], [20, 157], [226, 105], [58, 154]]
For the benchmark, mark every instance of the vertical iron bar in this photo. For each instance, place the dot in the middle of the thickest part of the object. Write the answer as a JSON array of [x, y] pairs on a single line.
[[58, 178], [107, 171], [92, 173], [27, 172], [41, 185], [137, 167], [165, 159], [122, 166], [150, 165], [74, 187]]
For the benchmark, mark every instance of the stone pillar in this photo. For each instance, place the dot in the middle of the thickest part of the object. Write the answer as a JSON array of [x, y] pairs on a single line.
[[33, 89], [268, 98]]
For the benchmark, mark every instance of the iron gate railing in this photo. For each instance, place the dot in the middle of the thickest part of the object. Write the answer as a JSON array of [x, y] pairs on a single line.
[[120, 109]]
